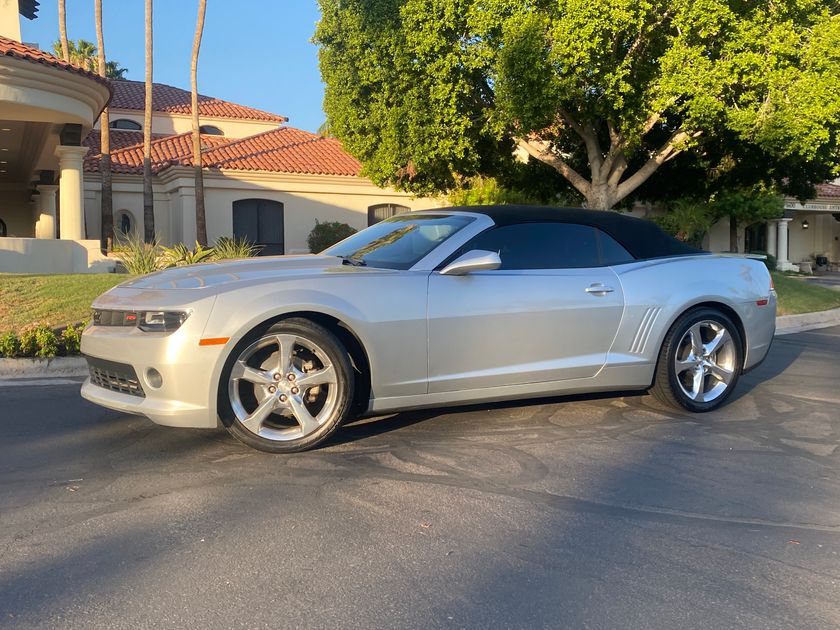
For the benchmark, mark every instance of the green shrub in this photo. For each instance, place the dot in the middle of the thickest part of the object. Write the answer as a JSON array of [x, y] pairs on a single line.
[[138, 257], [28, 342], [226, 248], [71, 338], [327, 234], [479, 191], [46, 341], [9, 345], [179, 255]]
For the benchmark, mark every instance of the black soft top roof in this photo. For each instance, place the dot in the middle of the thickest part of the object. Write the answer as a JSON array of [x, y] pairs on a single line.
[[642, 238]]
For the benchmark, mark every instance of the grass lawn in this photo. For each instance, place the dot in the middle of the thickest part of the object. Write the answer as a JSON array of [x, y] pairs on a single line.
[[798, 296], [55, 300]]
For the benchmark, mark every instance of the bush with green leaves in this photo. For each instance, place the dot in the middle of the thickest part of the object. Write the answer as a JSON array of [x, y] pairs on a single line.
[[327, 234], [180, 255], [46, 342], [137, 256], [71, 338], [9, 345], [38, 340], [480, 191], [227, 248]]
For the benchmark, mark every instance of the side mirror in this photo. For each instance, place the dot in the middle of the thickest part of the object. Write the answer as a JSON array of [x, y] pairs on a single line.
[[475, 260]]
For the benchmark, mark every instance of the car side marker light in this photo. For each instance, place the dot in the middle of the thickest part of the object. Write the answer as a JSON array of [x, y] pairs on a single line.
[[213, 341]]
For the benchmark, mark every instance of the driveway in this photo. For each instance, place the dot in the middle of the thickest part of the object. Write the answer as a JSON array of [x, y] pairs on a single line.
[[585, 512]]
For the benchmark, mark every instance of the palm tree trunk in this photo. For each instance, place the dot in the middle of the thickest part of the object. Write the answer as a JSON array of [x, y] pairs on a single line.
[[62, 31], [148, 195], [200, 216], [107, 231]]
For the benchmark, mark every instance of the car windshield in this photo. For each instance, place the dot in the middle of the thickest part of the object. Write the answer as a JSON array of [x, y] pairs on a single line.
[[398, 242]]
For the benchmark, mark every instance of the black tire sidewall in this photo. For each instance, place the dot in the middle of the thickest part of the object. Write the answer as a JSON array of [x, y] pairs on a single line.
[[337, 354], [675, 335]]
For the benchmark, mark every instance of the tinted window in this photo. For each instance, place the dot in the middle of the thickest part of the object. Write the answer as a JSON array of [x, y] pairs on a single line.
[[125, 123], [540, 245], [612, 252]]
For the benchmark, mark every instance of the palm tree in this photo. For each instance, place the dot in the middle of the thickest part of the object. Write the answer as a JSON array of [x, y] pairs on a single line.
[[62, 31], [148, 195], [107, 231], [113, 70], [200, 216]]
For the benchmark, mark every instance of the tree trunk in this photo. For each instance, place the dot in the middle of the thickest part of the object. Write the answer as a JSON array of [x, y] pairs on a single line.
[[148, 196], [107, 210], [62, 31], [200, 216], [733, 234]]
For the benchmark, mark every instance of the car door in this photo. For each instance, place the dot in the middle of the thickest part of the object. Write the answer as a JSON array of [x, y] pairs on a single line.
[[549, 313]]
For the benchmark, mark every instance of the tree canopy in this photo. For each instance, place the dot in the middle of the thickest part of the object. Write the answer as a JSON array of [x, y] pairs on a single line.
[[84, 54], [605, 92]]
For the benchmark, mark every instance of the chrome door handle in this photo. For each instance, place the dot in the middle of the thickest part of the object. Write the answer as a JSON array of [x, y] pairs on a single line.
[[599, 289]]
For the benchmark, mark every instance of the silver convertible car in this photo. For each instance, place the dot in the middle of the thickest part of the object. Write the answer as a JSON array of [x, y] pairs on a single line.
[[432, 308]]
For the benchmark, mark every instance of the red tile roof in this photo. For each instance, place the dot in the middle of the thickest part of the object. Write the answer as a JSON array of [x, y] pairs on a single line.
[[127, 150], [828, 190], [165, 98], [285, 150], [282, 150], [11, 48]]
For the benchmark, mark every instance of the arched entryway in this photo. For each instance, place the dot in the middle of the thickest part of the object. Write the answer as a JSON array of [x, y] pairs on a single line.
[[260, 221]]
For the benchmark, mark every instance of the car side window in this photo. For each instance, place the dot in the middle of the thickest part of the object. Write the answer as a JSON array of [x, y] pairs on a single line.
[[540, 245], [612, 252]]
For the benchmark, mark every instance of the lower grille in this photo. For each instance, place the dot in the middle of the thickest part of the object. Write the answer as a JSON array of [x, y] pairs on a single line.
[[118, 377]]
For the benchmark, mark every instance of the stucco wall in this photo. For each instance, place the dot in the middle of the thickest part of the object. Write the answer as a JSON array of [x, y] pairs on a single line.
[[30, 255], [305, 199], [17, 212], [172, 123]]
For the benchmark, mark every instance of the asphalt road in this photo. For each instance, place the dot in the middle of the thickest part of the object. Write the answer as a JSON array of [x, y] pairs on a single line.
[[566, 513]]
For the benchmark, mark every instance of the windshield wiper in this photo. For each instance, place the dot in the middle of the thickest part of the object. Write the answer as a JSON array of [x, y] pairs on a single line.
[[356, 262]]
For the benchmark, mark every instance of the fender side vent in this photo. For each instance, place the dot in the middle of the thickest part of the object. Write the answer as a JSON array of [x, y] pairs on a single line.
[[645, 328]]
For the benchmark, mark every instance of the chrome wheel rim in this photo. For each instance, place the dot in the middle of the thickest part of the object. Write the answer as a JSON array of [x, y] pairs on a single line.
[[705, 361], [283, 387]]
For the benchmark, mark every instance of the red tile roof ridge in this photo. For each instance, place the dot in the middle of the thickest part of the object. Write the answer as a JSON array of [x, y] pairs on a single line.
[[174, 100]]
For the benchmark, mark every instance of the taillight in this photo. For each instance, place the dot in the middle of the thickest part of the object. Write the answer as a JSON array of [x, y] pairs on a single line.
[[772, 286]]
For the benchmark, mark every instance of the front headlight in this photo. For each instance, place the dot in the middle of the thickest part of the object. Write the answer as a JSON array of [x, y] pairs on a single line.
[[161, 321]]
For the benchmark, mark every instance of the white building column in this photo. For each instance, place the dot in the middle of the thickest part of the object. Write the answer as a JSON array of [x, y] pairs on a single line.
[[771, 237], [71, 191], [782, 262], [46, 217]]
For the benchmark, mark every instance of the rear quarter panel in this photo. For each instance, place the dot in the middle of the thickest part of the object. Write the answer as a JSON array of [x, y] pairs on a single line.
[[657, 292]]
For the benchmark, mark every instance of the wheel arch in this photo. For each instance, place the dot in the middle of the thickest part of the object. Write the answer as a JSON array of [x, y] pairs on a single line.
[[724, 308], [346, 335]]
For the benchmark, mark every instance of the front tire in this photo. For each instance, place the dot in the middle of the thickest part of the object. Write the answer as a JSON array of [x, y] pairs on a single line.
[[287, 387], [699, 362]]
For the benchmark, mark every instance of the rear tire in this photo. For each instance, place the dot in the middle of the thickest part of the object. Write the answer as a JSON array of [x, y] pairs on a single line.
[[287, 387], [699, 362]]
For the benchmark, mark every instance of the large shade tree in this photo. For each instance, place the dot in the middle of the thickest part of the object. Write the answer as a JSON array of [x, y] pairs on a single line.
[[605, 92]]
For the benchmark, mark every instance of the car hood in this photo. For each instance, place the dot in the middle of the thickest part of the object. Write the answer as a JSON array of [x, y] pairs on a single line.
[[208, 275]]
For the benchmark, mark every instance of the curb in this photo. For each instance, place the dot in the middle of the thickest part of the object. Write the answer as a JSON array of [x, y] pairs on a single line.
[[77, 366], [41, 368], [789, 324]]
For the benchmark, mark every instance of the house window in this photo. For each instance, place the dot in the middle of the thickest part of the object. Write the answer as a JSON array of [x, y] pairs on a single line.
[[382, 211], [123, 223], [260, 221], [210, 130], [2, 228], [125, 123]]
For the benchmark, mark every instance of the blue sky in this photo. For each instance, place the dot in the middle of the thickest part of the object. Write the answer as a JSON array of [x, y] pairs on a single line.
[[255, 53]]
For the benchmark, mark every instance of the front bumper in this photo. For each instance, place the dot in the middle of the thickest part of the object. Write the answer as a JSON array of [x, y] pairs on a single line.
[[185, 396]]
